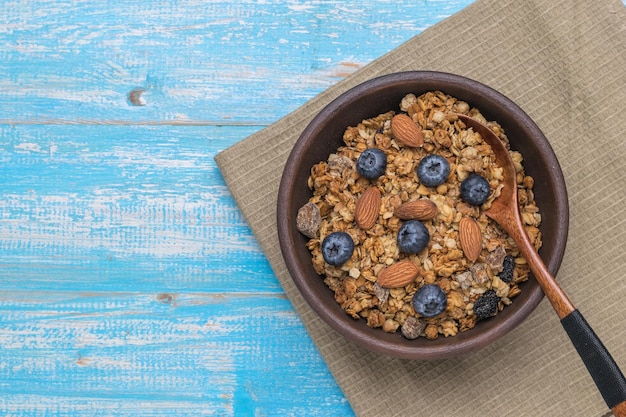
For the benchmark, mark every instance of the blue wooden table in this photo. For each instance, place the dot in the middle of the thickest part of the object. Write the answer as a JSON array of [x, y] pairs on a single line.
[[130, 285]]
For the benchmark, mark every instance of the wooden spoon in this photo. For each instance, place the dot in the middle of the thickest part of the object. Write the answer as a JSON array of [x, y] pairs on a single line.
[[505, 211]]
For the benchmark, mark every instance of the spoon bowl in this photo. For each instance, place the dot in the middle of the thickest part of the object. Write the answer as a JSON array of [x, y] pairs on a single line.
[[505, 211]]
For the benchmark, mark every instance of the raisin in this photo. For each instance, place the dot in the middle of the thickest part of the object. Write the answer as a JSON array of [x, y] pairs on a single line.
[[487, 305], [508, 266]]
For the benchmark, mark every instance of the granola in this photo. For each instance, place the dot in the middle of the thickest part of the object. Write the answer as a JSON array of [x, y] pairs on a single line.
[[337, 186]]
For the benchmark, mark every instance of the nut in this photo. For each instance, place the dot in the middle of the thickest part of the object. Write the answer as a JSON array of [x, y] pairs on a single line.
[[398, 274], [406, 131], [367, 208], [412, 327], [309, 220], [471, 238], [423, 209]]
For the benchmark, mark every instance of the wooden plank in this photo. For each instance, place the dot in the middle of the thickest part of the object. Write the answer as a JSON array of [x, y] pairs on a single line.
[[185, 355], [98, 208], [215, 62]]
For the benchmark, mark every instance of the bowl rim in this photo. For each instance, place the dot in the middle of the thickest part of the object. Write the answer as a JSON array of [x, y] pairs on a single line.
[[356, 334]]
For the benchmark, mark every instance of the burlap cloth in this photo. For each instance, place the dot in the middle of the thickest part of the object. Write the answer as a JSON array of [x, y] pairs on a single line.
[[564, 63]]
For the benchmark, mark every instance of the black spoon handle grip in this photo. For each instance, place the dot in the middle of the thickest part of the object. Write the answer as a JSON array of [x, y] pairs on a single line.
[[605, 373]]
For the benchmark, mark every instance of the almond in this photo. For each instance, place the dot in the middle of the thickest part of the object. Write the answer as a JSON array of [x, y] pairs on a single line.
[[406, 131], [471, 238], [367, 208], [398, 274], [416, 210]]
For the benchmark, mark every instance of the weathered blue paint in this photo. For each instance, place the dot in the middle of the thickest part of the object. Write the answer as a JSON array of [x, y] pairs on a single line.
[[218, 61], [123, 208], [182, 354], [130, 284]]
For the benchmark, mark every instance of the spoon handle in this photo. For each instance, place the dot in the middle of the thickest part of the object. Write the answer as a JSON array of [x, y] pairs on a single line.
[[599, 362], [601, 366]]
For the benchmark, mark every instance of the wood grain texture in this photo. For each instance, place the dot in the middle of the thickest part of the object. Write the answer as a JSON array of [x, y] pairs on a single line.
[[84, 206], [216, 62], [135, 354], [130, 284]]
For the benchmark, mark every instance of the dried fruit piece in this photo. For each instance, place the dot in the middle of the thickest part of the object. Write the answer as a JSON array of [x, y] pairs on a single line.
[[406, 131], [487, 305], [508, 266], [416, 210], [367, 208], [412, 327], [308, 220], [381, 293], [495, 259], [398, 274], [471, 238]]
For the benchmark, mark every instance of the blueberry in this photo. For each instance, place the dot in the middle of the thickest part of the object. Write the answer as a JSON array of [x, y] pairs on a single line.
[[337, 248], [371, 163], [508, 266], [433, 170], [475, 189], [412, 236], [486, 305], [429, 301]]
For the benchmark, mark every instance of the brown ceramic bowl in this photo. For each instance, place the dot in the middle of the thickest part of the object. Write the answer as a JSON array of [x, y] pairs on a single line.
[[324, 135]]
